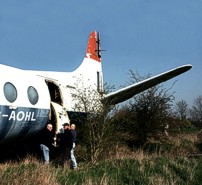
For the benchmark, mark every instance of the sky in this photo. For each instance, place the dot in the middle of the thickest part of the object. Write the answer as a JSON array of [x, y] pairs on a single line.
[[146, 36]]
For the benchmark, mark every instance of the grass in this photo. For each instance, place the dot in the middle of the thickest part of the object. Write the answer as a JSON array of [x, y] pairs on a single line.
[[158, 170], [160, 165]]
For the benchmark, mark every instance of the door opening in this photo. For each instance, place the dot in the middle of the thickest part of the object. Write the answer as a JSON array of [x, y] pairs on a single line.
[[55, 93]]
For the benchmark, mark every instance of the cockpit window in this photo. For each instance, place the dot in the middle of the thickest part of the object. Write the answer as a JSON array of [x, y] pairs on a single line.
[[10, 92], [32, 95]]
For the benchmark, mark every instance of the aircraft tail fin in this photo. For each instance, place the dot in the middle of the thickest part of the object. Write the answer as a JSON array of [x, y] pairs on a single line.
[[93, 50], [90, 70]]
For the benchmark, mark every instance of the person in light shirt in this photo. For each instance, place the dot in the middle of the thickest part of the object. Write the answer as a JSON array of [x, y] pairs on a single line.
[[73, 135]]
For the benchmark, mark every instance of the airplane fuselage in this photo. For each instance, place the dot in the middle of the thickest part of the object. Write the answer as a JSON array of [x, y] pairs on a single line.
[[24, 105]]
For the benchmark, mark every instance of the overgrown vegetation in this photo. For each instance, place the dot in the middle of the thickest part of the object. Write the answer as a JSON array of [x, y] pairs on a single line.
[[155, 164]]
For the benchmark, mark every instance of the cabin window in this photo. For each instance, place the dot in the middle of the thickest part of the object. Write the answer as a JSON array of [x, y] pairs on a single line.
[[10, 92], [32, 95]]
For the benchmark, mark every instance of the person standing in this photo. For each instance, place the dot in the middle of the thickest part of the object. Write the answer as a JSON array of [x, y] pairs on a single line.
[[65, 143], [47, 139], [73, 136]]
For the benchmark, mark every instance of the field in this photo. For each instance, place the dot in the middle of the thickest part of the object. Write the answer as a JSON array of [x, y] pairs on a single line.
[[176, 162]]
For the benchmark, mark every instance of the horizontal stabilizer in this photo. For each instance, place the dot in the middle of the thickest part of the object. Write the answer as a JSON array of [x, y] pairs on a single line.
[[129, 91]]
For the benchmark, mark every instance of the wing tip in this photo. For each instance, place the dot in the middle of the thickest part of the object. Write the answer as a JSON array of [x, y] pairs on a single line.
[[186, 67]]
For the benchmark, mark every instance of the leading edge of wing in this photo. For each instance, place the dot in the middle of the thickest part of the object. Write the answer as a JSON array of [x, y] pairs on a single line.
[[129, 91]]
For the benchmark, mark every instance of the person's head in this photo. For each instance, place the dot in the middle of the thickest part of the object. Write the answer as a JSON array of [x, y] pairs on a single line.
[[73, 127], [66, 126], [49, 127]]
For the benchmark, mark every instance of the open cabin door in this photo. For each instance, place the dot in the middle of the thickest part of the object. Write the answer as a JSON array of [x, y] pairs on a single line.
[[61, 116]]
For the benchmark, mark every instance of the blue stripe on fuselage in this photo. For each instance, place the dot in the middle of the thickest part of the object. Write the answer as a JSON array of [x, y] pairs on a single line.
[[21, 122]]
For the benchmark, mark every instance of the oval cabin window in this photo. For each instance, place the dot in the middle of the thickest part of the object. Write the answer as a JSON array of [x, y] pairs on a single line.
[[32, 95], [10, 92]]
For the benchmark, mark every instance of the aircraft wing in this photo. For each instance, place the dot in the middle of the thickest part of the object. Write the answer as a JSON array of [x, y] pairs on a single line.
[[129, 91]]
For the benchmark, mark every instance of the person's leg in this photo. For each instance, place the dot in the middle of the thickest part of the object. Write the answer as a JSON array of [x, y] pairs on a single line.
[[45, 151], [73, 159], [65, 155]]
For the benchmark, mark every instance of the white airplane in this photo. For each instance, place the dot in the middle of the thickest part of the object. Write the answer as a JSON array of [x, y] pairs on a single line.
[[30, 98]]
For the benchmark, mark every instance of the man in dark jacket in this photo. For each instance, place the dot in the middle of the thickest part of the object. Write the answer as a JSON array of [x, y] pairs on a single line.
[[47, 139], [65, 143]]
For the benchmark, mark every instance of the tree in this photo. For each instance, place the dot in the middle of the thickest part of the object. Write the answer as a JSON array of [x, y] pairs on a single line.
[[196, 112], [98, 132], [150, 111], [181, 109], [180, 116]]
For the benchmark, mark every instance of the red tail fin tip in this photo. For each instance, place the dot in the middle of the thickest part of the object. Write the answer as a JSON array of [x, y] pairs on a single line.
[[93, 50]]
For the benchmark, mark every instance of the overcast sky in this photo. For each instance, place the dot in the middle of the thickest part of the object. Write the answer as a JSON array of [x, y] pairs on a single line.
[[147, 36]]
